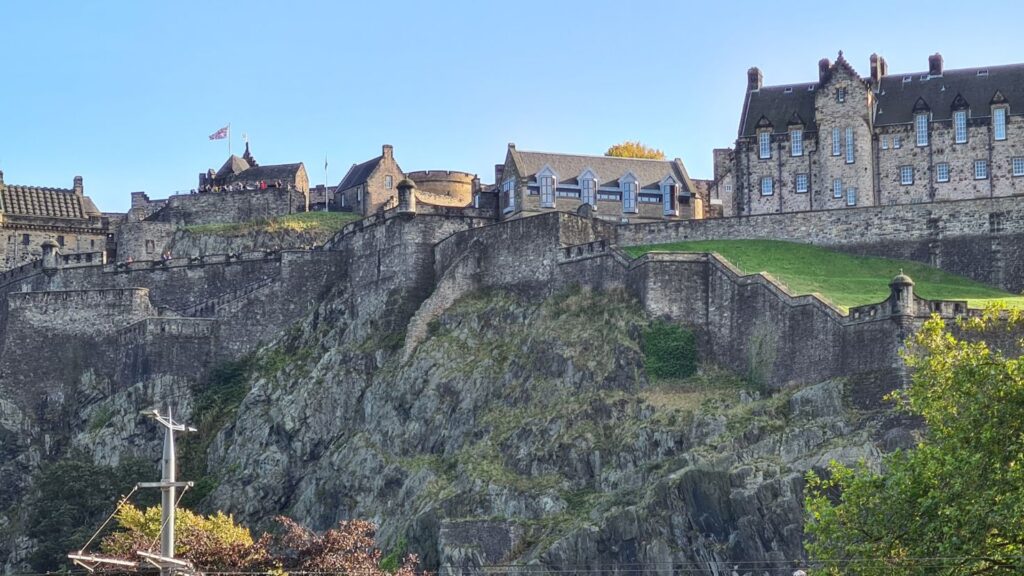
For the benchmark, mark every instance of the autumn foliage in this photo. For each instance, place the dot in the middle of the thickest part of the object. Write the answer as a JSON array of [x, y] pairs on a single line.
[[217, 544], [634, 149]]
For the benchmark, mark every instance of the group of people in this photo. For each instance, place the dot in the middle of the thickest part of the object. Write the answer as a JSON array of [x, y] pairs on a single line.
[[239, 186]]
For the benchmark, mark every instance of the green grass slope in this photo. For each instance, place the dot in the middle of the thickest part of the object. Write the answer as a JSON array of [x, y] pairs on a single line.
[[845, 279], [327, 222]]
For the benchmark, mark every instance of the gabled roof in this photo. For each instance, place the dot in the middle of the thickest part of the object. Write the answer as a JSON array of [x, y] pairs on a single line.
[[233, 165], [778, 105], [609, 169], [898, 93], [359, 173], [45, 202], [285, 172]]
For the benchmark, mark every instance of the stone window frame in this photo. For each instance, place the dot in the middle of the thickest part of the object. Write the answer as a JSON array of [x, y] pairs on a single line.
[[942, 172], [851, 196], [960, 127], [921, 129], [999, 116], [885, 142], [841, 94], [26, 239], [389, 182], [796, 142], [1017, 166], [837, 187], [767, 186], [801, 183], [906, 175], [897, 143], [764, 144], [837, 143], [981, 169], [850, 150]]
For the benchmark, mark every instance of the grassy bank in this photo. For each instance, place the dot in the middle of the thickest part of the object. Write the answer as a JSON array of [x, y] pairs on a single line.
[[326, 222], [845, 279]]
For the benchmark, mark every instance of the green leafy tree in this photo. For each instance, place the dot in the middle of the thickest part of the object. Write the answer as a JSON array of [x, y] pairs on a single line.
[[954, 505], [634, 149]]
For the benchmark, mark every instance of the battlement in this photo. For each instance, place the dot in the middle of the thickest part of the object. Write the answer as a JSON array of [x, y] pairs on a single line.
[[79, 311]]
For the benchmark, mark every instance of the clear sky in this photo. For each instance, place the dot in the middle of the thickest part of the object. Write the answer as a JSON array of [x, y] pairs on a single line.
[[126, 93]]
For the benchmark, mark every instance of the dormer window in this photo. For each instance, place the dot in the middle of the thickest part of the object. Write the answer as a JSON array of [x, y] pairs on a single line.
[[628, 183], [796, 142], [546, 181], [764, 144], [999, 123], [588, 187], [668, 196]]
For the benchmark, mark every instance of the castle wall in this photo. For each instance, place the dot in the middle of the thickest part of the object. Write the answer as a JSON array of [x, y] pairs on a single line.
[[21, 239], [230, 207], [982, 239]]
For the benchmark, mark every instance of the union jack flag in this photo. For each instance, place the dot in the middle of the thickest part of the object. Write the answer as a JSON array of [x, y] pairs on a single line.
[[220, 134]]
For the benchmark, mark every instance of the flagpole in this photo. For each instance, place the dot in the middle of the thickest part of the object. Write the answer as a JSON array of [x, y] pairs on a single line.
[[229, 138], [327, 206]]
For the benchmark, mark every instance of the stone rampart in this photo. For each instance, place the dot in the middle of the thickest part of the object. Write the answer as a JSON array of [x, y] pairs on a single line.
[[77, 312], [982, 239], [230, 207]]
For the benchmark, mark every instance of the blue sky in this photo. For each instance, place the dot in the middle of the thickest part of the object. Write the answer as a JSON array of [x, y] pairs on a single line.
[[126, 93]]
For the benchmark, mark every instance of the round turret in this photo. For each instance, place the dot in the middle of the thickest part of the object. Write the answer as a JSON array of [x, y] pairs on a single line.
[[902, 295], [901, 279], [50, 251], [406, 196]]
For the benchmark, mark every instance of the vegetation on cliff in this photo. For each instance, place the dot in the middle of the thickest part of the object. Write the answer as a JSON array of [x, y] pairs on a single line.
[[325, 223], [845, 279], [955, 504]]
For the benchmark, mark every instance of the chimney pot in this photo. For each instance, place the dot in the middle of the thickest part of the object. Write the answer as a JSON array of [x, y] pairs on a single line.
[[754, 79], [78, 185], [387, 150], [1, 176], [879, 68], [935, 64], [823, 70]]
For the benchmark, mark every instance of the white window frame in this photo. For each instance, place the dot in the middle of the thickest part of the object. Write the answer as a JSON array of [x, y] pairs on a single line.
[[837, 188], [668, 185], [921, 128], [628, 184], [851, 196], [999, 123], [896, 142], [764, 144], [906, 175], [837, 144], [960, 126], [588, 187], [803, 179], [942, 172], [981, 169], [767, 186], [1017, 165], [796, 142], [885, 142], [849, 146], [389, 182]]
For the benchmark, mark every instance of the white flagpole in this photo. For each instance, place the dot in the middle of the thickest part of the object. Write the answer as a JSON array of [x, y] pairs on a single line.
[[229, 138], [327, 206]]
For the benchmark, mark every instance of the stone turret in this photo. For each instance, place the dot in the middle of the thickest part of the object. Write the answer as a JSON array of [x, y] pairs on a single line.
[[406, 196], [902, 295], [50, 252], [79, 189]]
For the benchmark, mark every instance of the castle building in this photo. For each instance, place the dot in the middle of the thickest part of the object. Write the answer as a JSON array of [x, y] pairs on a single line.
[[620, 189], [244, 173], [31, 216], [846, 141], [370, 186]]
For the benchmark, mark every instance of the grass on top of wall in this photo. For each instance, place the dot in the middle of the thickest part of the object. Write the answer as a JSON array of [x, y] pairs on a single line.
[[845, 279], [301, 222]]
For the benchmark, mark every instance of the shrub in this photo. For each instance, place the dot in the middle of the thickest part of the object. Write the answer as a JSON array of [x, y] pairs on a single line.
[[670, 351]]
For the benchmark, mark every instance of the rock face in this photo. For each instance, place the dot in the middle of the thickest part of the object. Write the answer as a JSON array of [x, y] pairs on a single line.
[[518, 431]]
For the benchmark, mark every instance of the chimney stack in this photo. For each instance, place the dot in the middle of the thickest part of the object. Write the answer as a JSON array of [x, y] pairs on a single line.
[[824, 66], [499, 171], [78, 185], [879, 69], [1, 177], [387, 151], [935, 64], [754, 79]]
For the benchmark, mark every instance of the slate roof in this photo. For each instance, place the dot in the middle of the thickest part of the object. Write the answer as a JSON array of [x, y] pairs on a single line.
[[777, 104], [359, 173], [45, 202], [234, 165], [896, 97], [284, 172], [608, 169]]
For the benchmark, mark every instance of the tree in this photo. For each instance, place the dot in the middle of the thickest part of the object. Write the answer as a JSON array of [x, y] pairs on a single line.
[[954, 505], [634, 149]]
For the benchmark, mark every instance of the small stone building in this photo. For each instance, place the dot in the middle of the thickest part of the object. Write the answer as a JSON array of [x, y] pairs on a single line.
[[370, 186], [619, 189], [33, 215], [846, 141], [244, 173]]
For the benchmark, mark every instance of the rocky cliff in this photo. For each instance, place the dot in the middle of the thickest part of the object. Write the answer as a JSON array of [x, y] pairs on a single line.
[[518, 431]]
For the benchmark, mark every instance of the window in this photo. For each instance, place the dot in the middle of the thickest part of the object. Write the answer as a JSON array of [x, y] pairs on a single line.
[[150, 247], [388, 182], [835, 142], [851, 196], [849, 145], [359, 194], [92, 243], [767, 186], [629, 196], [841, 95], [764, 146], [906, 175], [921, 127], [980, 169], [508, 191], [588, 188], [801, 182], [837, 188], [1018, 165], [60, 241], [960, 126], [999, 123], [547, 191], [728, 188], [26, 239], [942, 172], [997, 222], [668, 193], [796, 142], [885, 142], [896, 142]]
